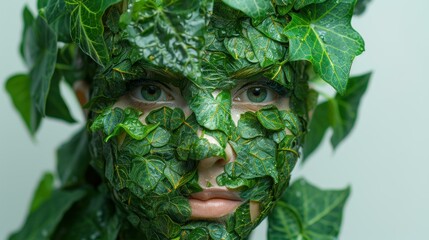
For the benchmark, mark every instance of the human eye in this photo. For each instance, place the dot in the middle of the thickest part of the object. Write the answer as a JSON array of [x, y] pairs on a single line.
[[150, 92], [259, 93]]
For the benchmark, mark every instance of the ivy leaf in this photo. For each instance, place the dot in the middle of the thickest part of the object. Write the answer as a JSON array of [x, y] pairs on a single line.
[[306, 212], [273, 27], [94, 217], [145, 174], [266, 50], [41, 223], [158, 137], [258, 10], [18, 87], [87, 27], [249, 126], [41, 48], [59, 19], [55, 105], [28, 20], [338, 113], [302, 3], [270, 118], [237, 47], [212, 113], [73, 158], [346, 106], [254, 159], [43, 191], [169, 33], [322, 34]]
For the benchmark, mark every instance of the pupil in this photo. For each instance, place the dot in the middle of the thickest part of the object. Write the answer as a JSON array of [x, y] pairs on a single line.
[[257, 94], [151, 93]]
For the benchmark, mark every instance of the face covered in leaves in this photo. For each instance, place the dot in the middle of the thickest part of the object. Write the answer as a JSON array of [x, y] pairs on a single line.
[[197, 120]]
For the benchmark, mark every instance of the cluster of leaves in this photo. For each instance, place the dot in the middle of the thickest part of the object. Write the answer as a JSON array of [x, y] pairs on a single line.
[[151, 169]]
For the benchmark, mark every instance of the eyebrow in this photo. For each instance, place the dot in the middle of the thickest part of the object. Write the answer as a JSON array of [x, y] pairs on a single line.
[[247, 72]]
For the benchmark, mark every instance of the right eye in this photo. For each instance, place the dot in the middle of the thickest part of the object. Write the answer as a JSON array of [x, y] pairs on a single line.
[[151, 93]]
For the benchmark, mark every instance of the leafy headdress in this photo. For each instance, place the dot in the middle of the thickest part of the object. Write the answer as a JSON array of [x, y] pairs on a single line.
[[212, 44]]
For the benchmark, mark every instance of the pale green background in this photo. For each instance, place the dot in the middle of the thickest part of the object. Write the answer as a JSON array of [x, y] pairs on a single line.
[[385, 159]]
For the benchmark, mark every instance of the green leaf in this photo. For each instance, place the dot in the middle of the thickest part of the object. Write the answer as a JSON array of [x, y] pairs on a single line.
[[249, 126], [43, 191], [94, 217], [41, 223], [41, 45], [270, 118], [237, 47], [316, 130], [306, 212], [87, 27], [18, 87], [345, 108], [55, 105], [322, 34], [28, 20], [273, 27], [145, 174], [59, 19], [202, 149], [179, 173], [158, 137], [258, 10], [302, 3], [169, 33], [73, 158], [338, 113], [266, 50], [177, 208], [254, 159], [212, 113]]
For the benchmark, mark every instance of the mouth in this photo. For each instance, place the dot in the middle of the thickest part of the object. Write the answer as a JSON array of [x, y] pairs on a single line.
[[213, 203]]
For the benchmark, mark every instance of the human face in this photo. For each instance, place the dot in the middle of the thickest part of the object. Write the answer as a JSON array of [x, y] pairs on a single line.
[[216, 177]]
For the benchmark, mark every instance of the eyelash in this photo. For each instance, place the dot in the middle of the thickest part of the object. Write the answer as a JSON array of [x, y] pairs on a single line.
[[273, 92], [136, 88]]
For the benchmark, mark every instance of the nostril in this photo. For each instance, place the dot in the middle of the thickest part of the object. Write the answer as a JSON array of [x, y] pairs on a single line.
[[221, 162]]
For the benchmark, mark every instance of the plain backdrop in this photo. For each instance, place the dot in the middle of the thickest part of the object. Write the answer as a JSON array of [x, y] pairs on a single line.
[[385, 159]]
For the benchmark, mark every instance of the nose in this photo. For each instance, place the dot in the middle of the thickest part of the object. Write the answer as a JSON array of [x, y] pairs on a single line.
[[210, 168]]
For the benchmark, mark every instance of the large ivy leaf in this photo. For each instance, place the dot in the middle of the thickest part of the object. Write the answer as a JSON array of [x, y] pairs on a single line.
[[18, 87], [87, 27], [308, 213], [73, 159], [169, 33], [41, 223], [41, 51], [338, 113], [59, 19], [322, 34], [43, 191], [258, 10], [55, 104]]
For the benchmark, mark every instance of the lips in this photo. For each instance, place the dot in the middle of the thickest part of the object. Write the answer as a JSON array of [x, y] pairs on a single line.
[[213, 203]]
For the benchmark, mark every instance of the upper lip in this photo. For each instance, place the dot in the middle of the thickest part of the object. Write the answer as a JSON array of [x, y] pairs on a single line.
[[213, 193]]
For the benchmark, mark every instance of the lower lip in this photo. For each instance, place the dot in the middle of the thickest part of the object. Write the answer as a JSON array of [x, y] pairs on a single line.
[[212, 208]]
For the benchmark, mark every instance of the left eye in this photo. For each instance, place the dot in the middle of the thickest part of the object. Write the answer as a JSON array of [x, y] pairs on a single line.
[[256, 94], [151, 93]]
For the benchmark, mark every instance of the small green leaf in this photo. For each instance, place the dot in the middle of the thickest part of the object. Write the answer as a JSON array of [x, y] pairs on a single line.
[[145, 174], [306, 212], [270, 118], [237, 47], [322, 34], [273, 28], [249, 126], [87, 27], [158, 137], [55, 105], [302, 3], [212, 113], [258, 10], [267, 51], [18, 87], [43, 191]]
